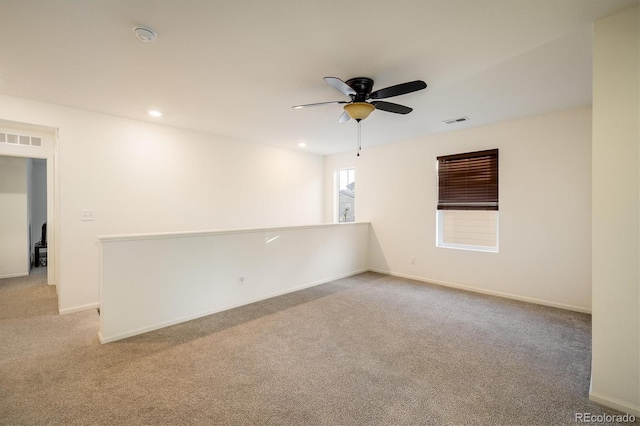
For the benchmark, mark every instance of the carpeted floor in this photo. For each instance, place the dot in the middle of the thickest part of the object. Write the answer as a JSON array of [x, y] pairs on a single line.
[[365, 350]]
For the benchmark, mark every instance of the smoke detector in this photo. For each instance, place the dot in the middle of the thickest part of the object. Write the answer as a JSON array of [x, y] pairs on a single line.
[[145, 35]]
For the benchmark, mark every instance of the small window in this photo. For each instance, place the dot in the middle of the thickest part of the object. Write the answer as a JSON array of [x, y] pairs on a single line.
[[467, 212], [346, 192]]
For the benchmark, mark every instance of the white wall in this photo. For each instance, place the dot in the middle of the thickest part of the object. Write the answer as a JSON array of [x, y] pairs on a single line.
[[29, 163], [545, 209], [269, 261], [14, 248], [39, 199], [141, 177], [615, 379]]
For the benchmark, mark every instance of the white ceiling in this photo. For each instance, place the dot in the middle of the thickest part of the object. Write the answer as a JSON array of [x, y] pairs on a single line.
[[235, 68]]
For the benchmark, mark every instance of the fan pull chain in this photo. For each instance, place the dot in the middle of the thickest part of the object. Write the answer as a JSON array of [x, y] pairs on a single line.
[[359, 139]]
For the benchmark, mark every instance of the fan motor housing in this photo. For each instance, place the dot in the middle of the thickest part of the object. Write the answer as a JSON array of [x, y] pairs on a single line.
[[363, 87]]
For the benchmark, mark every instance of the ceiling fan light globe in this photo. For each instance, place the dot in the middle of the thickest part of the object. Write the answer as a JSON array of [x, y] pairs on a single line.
[[359, 110]]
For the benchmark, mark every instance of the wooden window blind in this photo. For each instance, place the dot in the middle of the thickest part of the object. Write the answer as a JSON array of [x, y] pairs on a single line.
[[468, 181]]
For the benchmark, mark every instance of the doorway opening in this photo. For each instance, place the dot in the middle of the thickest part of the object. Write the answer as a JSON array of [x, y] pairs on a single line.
[[38, 216], [29, 200]]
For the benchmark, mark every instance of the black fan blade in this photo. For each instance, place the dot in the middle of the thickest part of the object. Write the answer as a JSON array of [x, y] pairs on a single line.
[[398, 89], [344, 117], [391, 107], [340, 86], [320, 104]]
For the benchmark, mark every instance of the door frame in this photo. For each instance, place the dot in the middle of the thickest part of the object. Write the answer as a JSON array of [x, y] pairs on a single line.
[[49, 152]]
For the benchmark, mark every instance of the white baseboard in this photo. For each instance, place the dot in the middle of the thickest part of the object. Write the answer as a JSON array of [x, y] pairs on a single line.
[[79, 308], [614, 403], [21, 274], [175, 321], [489, 292]]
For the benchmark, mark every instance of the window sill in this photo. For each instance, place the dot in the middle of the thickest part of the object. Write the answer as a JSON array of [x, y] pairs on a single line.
[[469, 248]]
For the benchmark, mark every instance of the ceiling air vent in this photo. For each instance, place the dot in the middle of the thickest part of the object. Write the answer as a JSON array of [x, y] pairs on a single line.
[[456, 120]]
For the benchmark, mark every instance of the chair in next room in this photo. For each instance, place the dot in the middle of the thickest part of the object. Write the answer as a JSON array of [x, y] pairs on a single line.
[[42, 244]]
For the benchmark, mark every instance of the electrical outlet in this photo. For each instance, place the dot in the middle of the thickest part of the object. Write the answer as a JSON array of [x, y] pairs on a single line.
[[413, 260], [87, 215], [241, 280]]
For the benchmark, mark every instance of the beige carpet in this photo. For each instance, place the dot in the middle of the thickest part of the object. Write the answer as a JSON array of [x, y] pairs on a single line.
[[366, 350]]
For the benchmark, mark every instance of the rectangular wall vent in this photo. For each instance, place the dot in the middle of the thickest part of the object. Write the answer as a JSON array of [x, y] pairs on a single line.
[[15, 139], [456, 120]]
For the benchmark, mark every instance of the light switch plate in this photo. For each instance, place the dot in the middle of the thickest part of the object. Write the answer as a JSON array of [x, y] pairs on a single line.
[[87, 215]]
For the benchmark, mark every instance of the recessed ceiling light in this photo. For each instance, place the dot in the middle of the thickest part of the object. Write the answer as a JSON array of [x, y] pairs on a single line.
[[302, 144], [155, 113]]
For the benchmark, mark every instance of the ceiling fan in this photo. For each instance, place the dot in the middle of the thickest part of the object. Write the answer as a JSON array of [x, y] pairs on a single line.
[[364, 101]]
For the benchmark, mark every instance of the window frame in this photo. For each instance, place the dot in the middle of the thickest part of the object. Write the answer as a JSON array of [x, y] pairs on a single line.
[[336, 209], [468, 167]]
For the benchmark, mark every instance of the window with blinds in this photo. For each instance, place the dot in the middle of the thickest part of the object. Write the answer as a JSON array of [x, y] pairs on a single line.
[[468, 181], [467, 210]]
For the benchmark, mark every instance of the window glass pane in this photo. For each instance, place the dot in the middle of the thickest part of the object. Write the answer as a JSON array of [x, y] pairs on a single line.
[[470, 227], [346, 195]]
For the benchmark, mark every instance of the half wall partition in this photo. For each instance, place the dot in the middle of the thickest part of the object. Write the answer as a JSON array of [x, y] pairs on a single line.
[[156, 280]]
